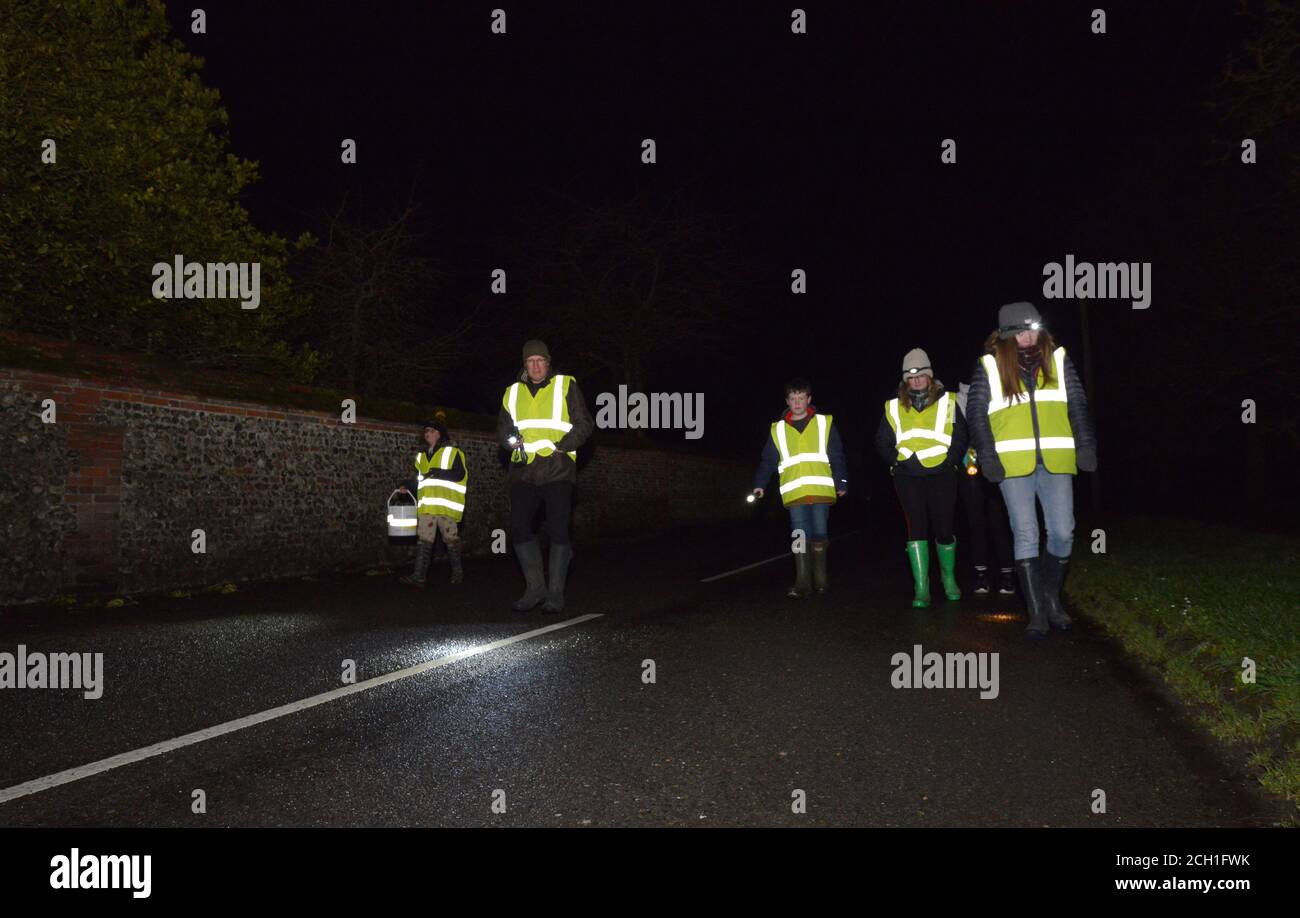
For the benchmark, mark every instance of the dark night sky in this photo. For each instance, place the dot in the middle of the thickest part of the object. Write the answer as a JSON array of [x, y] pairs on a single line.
[[823, 150]]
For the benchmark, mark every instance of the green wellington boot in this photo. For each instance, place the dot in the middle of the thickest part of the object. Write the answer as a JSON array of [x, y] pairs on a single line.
[[457, 571], [918, 555], [418, 576], [530, 561], [561, 555], [802, 575], [947, 569], [819, 566]]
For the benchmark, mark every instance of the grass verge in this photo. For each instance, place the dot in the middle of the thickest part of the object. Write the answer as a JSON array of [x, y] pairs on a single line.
[[1201, 603]]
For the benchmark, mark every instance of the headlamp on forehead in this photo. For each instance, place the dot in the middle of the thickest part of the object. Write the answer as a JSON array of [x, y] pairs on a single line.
[[1016, 329], [916, 371]]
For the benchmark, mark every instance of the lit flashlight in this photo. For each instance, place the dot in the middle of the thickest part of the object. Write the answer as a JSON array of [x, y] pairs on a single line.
[[749, 498]]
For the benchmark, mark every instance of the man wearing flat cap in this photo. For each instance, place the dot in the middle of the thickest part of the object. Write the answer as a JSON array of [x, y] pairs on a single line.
[[543, 421]]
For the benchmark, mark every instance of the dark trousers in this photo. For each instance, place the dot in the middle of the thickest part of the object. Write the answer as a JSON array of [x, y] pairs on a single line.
[[986, 515], [929, 505], [524, 501]]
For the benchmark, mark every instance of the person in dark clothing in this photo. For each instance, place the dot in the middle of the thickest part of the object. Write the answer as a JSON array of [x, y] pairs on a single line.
[[804, 448], [440, 486], [922, 435], [543, 421], [986, 519], [1030, 427]]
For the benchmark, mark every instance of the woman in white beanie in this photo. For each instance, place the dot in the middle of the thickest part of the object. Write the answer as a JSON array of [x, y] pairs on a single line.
[[1030, 427], [922, 436]]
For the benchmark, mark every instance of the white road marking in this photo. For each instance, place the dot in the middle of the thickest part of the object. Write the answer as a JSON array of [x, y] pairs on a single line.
[[748, 567], [37, 785]]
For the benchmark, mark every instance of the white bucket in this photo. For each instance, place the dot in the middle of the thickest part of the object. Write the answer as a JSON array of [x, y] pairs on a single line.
[[401, 519]]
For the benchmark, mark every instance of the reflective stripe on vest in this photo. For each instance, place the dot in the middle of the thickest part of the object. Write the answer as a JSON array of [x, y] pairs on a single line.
[[1013, 424], [439, 496], [542, 419], [926, 434], [807, 472]]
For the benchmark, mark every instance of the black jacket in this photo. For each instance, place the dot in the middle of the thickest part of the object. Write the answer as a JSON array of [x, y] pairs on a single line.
[[977, 407], [557, 466], [771, 458], [886, 445]]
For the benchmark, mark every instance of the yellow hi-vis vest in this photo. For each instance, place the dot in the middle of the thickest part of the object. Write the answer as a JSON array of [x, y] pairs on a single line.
[[542, 419], [1013, 426], [926, 434], [805, 468], [440, 496]]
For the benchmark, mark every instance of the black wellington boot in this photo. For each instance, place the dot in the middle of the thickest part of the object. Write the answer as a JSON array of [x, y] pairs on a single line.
[[1031, 588], [1054, 570]]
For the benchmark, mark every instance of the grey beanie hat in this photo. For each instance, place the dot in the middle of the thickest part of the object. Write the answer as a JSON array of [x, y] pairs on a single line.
[[535, 347], [917, 363], [1017, 317]]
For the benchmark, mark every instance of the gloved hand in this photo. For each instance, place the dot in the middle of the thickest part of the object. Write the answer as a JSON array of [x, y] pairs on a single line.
[[992, 470], [1085, 457]]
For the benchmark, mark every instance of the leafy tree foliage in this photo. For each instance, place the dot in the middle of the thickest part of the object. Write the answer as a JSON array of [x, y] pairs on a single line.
[[141, 174]]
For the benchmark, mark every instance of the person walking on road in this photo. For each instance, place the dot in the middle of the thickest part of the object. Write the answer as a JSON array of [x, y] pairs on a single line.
[[922, 435], [1030, 427], [440, 483], [543, 421], [804, 449], [986, 518]]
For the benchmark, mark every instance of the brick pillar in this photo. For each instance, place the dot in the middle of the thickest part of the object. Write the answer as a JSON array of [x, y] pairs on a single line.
[[93, 488]]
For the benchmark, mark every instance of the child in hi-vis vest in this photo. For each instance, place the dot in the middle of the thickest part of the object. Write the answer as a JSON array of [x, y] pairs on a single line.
[[803, 449], [439, 485]]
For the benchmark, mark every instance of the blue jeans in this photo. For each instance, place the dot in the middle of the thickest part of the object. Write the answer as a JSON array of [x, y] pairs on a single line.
[[811, 518], [1056, 493]]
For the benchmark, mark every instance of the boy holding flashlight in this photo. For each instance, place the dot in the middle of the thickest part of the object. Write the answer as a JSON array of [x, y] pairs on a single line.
[[804, 449]]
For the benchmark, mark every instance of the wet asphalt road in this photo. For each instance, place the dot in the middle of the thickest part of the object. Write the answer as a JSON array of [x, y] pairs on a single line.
[[755, 696]]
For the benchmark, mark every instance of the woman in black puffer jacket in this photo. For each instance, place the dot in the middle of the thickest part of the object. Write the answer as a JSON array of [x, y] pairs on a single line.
[[1028, 416]]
